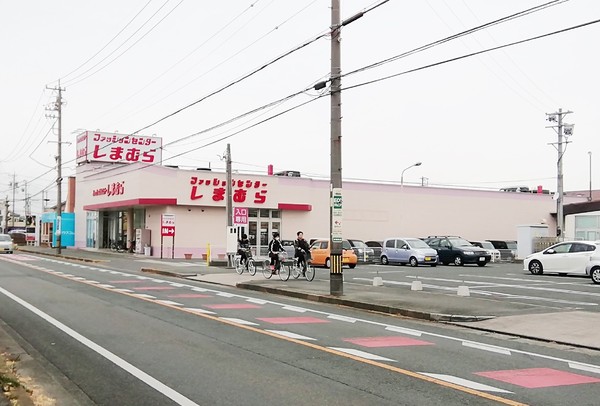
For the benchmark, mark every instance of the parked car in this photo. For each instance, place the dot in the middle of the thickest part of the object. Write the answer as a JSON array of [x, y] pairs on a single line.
[[6, 244], [489, 247], [507, 248], [376, 245], [593, 269], [458, 251], [364, 253], [413, 251], [288, 246], [321, 253], [567, 257]]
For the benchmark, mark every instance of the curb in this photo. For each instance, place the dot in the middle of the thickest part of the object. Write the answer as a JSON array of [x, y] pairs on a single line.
[[167, 273], [96, 261]]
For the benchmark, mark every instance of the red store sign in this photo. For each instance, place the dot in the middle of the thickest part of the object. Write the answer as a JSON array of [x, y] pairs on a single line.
[[243, 190], [112, 189], [105, 147]]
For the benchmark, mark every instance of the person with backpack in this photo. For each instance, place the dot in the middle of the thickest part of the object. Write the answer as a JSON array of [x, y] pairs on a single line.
[[244, 248], [275, 248]]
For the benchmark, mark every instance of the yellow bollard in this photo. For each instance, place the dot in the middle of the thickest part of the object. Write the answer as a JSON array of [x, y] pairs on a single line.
[[208, 254]]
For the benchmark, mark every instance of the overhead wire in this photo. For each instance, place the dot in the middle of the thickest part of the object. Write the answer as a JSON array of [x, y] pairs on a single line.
[[107, 44]]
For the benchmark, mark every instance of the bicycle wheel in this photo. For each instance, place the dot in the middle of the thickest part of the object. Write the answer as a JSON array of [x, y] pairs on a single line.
[[296, 270], [251, 267], [239, 268], [309, 273], [284, 272], [267, 273]]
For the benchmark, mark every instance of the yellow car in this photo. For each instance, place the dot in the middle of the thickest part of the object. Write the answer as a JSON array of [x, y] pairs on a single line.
[[320, 254]]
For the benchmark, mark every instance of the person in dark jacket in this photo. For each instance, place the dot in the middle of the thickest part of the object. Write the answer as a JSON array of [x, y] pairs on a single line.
[[275, 248], [301, 250], [243, 246]]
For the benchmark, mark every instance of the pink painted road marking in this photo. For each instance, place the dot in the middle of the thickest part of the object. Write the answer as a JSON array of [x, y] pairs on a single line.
[[538, 377], [375, 342], [293, 320], [233, 306], [188, 295], [125, 281], [146, 288]]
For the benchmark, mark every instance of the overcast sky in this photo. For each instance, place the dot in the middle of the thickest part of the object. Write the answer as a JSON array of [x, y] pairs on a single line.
[[478, 122]]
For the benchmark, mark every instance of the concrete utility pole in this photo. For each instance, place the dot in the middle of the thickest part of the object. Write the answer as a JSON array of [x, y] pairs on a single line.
[[58, 108], [590, 196], [229, 201], [14, 186], [336, 279], [565, 130], [6, 205]]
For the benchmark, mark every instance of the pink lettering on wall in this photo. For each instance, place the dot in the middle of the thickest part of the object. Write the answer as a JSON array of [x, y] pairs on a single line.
[[243, 190]]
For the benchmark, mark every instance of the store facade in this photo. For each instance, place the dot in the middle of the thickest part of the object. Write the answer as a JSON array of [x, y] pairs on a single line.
[[173, 212]]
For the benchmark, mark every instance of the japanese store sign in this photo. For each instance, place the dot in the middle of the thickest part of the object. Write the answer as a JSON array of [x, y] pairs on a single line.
[[240, 216], [243, 190], [106, 147], [167, 225], [112, 189]]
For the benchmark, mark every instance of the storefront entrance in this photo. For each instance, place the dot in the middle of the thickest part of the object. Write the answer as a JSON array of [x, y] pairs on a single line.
[[262, 223]]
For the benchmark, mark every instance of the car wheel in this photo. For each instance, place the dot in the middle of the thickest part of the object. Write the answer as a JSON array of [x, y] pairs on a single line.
[[384, 260], [328, 263], [595, 274], [481, 263], [458, 260], [413, 262], [536, 268], [352, 266]]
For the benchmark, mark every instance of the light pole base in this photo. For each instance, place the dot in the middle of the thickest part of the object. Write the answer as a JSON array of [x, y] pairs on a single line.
[[336, 284]]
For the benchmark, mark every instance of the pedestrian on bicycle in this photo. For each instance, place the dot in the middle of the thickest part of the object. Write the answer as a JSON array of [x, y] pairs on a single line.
[[243, 247], [275, 248], [301, 250]]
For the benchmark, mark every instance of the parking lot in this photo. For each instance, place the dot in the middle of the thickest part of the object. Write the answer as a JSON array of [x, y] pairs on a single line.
[[496, 282]]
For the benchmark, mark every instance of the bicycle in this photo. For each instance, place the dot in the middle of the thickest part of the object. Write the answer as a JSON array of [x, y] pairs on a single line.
[[298, 269], [118, 246], [283, 271], [248, 265]]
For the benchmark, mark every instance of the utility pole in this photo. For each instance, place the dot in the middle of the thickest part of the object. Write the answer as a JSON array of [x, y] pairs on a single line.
[[229, 202], [565, 130], [58, 108], [14, 186], [336, 278], [6, 205]]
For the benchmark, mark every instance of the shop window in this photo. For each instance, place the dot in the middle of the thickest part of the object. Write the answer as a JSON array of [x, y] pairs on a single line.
[[264, 213], [587, 222], [253, 213]]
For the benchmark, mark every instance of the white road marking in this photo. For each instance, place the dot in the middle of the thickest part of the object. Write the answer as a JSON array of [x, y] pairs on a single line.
[[257, 301], [124, 290], [120, 362], [225, 294], [291, 335], [196, 310], [404, 331], [584, 367], [104, 285], [239, 321], [199, 290], [169, 302], [486, 347], [294, 309], [143, 295], [341, 318], [465, 382], [362, 354]]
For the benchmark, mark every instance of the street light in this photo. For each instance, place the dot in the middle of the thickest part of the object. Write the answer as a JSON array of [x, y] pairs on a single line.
[[405, 169], [590, 196]]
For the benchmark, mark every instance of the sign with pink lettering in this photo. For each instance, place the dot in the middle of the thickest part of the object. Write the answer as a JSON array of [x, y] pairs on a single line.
[[93, 146]]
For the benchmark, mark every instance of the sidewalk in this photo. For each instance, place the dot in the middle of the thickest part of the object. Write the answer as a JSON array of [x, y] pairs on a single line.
[[571, 328]]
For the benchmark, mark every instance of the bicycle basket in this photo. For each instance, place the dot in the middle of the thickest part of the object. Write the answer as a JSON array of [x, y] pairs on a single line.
[[282, 256]]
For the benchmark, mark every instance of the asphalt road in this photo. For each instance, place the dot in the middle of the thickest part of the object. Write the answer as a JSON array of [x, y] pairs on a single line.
[[126, 338]]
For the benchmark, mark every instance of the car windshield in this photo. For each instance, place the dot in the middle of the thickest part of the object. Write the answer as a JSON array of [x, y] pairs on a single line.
[[5, 238], [346, 245], [460, 242], [487, 245], [416, 243], [358, 243]]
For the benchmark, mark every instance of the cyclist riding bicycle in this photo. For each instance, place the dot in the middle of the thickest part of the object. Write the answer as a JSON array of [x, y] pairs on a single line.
[[302, 250], [243, 248], [275, 248]]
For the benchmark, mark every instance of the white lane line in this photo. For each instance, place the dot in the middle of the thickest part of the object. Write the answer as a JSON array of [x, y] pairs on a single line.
[[105, 285], [196, 310], [177, 285], [362, 354], [341, 318], [169, 302], [120, 362], [291, 335], [584, 367], [486, 347], [295, 309], [124, 290], [199, 290], [143, 295], [239, 321], [225, 294], [403, 330], [465, 382], [78, 278], [257, 301]]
